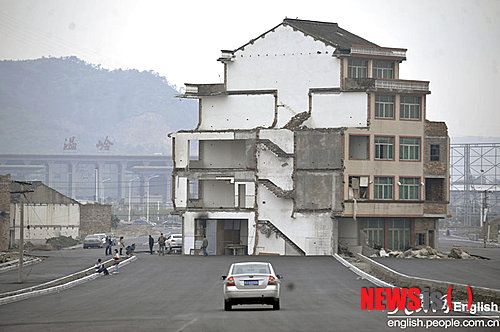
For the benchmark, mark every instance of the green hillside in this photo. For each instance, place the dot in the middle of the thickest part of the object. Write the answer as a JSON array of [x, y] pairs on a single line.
[[46, 101]]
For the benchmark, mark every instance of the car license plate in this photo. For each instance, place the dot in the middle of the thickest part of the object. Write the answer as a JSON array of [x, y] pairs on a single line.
[[251, 282]]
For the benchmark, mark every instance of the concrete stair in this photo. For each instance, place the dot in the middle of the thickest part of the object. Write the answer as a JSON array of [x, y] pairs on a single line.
[[277, 191], [266, 224]]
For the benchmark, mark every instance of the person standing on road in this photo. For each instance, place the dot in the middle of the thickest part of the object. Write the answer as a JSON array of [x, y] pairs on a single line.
[[161, 243], [122, 244], [151, 244], [108, 245], [204, 246], [117, 260]]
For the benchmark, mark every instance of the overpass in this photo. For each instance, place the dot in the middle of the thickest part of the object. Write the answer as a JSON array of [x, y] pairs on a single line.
[[100, 177]]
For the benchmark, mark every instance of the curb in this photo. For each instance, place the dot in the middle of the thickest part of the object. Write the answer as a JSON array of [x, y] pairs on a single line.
[[362, 274], [29, 294], [16, 265]]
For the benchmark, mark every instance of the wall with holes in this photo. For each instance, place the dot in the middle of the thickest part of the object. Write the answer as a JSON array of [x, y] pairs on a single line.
[[44, 221], [288, 61]]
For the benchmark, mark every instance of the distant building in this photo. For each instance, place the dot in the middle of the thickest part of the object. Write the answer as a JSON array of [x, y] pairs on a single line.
[[4, 211], [48, 213], [312, 141]]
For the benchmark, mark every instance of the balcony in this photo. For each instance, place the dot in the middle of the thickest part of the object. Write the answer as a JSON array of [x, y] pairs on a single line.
[[395, 53], [200, 90], [386, 85]]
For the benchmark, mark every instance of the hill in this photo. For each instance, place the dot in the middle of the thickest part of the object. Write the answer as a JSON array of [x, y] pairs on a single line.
[[45, 104]]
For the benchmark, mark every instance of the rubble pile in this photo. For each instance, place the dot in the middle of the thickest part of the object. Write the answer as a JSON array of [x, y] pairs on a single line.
[[425, 252], [458, 253], [61, 242]]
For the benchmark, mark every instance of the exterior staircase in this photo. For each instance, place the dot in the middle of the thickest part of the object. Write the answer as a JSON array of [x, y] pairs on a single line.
[[265, 225], [277, 191], [271, 146]]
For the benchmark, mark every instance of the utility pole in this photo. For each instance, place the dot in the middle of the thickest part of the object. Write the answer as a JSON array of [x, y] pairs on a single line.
[[21, 226]]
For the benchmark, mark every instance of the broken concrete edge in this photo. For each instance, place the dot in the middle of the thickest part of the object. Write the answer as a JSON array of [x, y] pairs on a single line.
[[361, 273], [15, 264], [459, 291], [28, 293]]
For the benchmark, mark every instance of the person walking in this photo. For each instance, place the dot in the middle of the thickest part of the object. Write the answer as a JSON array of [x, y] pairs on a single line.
[[204, 246], [117, 260], [99, 267], [122, 244], [161, 244], [151, 244], [108, 245]]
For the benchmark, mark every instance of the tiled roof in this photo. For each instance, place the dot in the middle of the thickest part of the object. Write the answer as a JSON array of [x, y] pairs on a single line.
[[329, 33]]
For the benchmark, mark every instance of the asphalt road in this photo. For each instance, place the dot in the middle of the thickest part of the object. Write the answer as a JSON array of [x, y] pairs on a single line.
[[177, 293]]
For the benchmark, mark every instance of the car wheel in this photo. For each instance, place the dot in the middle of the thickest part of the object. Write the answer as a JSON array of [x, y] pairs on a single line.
[[227, 305], [276, 304]]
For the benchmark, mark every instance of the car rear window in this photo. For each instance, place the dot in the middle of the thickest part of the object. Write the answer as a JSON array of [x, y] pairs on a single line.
[[177, 236], [251, 268]]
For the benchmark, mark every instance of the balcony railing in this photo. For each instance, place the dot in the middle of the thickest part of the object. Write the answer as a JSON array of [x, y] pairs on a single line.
[[379, 51], [402, 85]]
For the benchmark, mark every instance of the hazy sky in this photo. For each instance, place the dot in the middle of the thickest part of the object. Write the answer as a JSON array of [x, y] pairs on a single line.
[[454, 44]]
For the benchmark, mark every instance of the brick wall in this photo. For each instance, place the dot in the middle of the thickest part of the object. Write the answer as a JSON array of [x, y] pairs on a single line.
[[94, 218], [4, 211]]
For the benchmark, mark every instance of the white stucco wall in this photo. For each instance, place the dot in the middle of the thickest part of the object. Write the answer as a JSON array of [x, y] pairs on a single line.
[[237, 111], [338, 110], [182, 144], [288, 61], [312, 232], [181, 191], [278, 170], [281, 137], [47, 220]]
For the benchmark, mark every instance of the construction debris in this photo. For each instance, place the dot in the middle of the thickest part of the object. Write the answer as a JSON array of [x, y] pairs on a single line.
[[61, 242], [425, 252]]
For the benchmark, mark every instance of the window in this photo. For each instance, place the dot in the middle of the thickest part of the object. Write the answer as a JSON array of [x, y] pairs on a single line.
[[420, 239], [409, 148], [383, 187], [434, 152], [383, 69], [384, 147], [384, 107], [409, 188], [374, 230], [357, 68], [359, 147], [193, 189], [358, 187], [410, 107], [399, 234]]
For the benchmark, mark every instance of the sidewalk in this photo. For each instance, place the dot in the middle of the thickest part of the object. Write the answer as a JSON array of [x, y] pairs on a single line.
[[55, 264]]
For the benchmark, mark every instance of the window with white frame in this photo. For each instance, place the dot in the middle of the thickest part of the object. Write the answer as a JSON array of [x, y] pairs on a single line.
[[384, 106], [383, 69], [410, 107], [384, 187], [357, 68], [384, 147], [409, 148], [409, 188]]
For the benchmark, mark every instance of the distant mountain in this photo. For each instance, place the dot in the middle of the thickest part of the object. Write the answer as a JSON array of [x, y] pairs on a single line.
[[49, 103]]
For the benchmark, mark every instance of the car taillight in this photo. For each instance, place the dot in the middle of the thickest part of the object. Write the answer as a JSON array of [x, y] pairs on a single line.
[[272, 281], [230, 281], [173, 240]]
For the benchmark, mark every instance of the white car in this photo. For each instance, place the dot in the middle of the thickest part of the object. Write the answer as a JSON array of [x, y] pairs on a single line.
[[250, 283], [173, 242]]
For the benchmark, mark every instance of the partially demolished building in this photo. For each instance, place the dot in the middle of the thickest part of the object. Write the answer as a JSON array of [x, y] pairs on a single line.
[[311, 142]]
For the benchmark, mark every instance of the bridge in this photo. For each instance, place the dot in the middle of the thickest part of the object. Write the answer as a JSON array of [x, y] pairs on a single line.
[[108, 178]]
